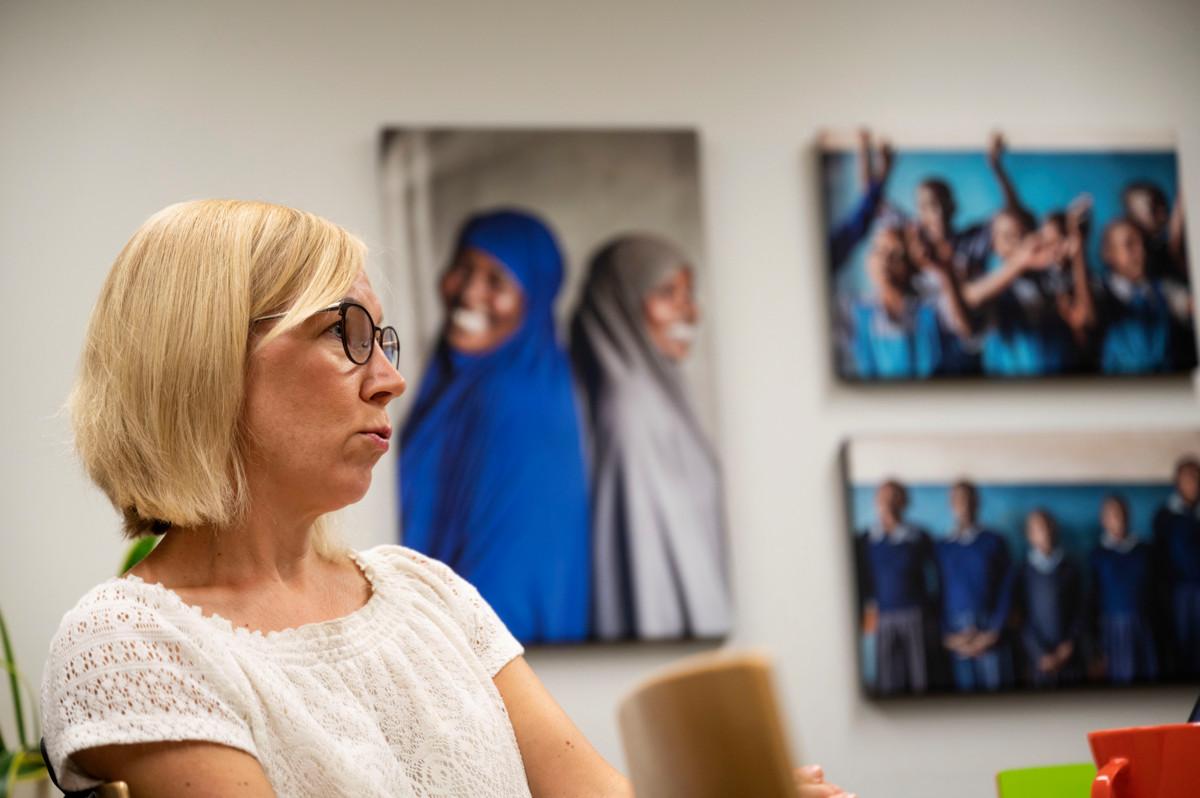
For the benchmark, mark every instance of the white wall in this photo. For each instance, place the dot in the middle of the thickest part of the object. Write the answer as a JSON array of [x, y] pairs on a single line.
[[110, 110]]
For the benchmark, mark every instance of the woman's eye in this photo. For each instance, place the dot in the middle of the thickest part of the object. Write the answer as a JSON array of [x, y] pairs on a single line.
[[335, 329]]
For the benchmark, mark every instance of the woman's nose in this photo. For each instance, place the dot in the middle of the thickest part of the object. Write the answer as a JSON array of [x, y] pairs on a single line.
[[475, 289]]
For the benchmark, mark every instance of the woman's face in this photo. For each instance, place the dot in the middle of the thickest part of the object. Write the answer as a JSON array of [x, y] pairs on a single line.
[[889, 503], [888, 266], [484, 303], [932, 214], [1052, 235], [1187, 482], [316, 422], [963, 504], [671, 315], [1038, 533], [1112, 518], [1125, 251], [1006, 234]]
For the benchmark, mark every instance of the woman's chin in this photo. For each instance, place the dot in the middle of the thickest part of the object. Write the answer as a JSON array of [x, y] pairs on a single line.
[[349, 490]]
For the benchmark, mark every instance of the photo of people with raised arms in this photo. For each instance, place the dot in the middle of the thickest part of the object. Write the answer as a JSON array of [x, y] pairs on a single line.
[[560, 453], [985, 259], [1040, 561]]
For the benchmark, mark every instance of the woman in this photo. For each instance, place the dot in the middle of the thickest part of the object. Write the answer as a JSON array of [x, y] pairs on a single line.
[[657, 518], [1123, 598], [1051, 595], [233, 391], [492, 472]]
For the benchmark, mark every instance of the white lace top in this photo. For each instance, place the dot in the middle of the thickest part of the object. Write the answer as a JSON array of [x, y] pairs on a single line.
[[395, 699]]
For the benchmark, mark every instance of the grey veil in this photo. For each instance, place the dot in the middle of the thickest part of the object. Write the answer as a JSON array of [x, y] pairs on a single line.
[[659, 566]]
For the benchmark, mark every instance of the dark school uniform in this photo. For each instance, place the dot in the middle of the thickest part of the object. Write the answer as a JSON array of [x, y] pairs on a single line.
[[1123, 585], [1052, 600], [1177, 544], [897, 570], [976, 577], [1138, 326]]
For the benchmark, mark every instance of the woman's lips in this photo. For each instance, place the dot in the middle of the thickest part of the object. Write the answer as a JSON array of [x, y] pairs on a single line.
[[376, 439]]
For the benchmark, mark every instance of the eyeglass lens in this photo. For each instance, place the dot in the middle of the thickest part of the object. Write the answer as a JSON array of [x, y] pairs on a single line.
[[360, 335]]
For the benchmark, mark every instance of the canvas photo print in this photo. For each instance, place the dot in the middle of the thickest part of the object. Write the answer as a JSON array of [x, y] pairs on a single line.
[[557, 444], [988, 563], [1006, 260]]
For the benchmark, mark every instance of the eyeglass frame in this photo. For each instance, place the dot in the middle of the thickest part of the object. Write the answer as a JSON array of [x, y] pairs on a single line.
[[376, 331]]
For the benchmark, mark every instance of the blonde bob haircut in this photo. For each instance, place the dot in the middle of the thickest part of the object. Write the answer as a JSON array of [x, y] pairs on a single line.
[[157, 407]]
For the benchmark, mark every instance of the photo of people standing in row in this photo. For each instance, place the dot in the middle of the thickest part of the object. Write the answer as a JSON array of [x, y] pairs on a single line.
[[1002, 582], [1003, 264], [557, 454]]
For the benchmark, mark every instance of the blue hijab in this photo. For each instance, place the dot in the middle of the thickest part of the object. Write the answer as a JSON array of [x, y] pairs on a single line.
[[492, 478]]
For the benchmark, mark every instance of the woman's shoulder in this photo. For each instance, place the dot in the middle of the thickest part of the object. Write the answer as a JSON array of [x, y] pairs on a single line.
[[117, 601], [123, 612], [390, 562], [432, 588]]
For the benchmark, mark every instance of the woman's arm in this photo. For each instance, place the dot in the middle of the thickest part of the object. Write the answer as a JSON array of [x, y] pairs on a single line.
[[1080, 311], [1012, 200], [187, 769], [936, 261], [559, 761], [1175, 239]]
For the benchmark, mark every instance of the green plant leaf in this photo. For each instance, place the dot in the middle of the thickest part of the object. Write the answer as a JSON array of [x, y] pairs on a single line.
[[12, 761], [10, 665], [32, 767], [138, 551]]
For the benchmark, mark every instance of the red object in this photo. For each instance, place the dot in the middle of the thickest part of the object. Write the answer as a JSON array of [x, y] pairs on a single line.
[[1147, 761]]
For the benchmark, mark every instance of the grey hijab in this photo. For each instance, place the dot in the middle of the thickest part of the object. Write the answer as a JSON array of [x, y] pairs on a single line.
[[659, 562]]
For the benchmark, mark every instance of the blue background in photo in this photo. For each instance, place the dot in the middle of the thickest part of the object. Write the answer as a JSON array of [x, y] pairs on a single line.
[[1002, 508], [1045, 181]]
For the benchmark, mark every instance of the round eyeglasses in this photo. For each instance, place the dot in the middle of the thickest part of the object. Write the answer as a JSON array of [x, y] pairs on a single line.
[[358, 333]]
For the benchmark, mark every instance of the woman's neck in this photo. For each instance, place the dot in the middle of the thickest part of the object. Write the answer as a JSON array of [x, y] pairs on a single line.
[[253, 552]]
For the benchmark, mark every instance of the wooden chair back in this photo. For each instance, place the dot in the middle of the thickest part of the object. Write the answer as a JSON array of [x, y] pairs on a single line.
[[709, 727]]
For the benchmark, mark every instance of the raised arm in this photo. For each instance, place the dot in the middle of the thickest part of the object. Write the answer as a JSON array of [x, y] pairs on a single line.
[[1012, 200], [1080, 310], [178, 770], [1176, 242], [984, 289], [864, 160], [847, 233]]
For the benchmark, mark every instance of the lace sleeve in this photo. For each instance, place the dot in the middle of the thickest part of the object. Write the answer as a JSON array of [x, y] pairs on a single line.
[[119, 672], [488, 636]]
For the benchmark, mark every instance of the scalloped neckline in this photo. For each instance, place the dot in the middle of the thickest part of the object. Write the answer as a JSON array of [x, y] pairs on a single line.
[[323, 628]]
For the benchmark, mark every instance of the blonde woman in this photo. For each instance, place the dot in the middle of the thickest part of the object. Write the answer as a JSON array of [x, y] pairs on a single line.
[[233, 392]]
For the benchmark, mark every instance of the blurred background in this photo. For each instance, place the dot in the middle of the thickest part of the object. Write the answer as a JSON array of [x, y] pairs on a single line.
[[111, 110]]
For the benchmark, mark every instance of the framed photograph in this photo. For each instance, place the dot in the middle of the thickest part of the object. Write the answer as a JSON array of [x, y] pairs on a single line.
[[987, 563], [1003, 260], [557, 446]]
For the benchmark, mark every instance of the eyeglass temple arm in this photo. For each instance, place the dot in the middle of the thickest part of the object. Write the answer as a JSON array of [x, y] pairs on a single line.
[[271, 316]]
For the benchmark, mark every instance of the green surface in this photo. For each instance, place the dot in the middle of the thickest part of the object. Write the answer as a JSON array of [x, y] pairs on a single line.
[[1055, 781]]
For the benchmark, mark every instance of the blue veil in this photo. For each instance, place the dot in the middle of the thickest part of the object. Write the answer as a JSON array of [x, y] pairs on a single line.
[[492, 474]]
